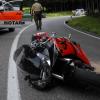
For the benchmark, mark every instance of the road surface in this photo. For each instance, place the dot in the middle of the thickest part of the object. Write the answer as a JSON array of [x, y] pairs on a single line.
[[60, 92]]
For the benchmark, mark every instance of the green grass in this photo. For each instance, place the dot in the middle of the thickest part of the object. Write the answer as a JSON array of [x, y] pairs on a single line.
[[87, 23], [63, 13], [26, 10]]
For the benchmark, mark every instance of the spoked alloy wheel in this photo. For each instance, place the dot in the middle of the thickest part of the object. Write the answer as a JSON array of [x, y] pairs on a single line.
[[45, 78]]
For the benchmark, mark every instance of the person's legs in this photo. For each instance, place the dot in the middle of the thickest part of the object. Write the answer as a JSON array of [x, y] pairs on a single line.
[[36, 22], [40, 24], [40, 20]]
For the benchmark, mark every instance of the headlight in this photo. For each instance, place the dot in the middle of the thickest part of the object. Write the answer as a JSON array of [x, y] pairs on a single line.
[[69, 61]]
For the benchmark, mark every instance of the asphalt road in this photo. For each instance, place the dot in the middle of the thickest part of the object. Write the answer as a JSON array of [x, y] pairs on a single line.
[[61, 91], [6, 40]]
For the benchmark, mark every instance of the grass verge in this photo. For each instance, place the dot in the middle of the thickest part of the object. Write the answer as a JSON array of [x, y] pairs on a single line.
[[55, 14], [26, 10], [87, 23]]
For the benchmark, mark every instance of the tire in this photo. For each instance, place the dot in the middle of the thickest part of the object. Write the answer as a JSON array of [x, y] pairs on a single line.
[[77, 72], [45, 78], [88, 77], [11, 29]]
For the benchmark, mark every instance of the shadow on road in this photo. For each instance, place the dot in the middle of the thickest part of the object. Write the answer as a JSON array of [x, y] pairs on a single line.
[[4, 31], [76, 88]]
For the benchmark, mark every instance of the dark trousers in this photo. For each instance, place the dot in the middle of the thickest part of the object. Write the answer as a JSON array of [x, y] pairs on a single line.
[[38, 19]]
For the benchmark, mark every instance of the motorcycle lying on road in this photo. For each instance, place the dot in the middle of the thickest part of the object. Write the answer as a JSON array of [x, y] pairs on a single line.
[[50, 57]]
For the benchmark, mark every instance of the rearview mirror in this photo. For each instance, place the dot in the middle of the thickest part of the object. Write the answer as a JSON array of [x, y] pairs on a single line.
[[70, 36], [1, 9]]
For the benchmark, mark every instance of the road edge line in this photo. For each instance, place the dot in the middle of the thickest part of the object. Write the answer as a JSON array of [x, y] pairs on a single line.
[[81, 31], [13, 91]]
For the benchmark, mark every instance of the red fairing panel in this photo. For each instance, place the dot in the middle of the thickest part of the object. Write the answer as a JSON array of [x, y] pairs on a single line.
[[66, 47], [81, 54]]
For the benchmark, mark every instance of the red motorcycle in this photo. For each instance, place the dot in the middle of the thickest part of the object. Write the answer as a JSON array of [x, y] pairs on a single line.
[[49, 56]]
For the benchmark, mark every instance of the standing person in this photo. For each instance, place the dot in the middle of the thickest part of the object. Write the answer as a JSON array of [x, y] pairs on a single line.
[[36, 11]]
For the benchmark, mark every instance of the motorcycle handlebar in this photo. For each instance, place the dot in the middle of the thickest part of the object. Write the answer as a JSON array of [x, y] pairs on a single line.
[[40, 44]]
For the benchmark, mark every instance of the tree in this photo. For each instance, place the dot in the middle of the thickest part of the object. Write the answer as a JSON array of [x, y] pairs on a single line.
[[93, 7]]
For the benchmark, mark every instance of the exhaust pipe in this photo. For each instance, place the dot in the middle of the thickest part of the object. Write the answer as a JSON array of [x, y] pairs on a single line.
[[58, 76]]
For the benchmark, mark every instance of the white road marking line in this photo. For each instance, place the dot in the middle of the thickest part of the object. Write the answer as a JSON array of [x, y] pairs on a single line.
[[82, 32], [13, 92]]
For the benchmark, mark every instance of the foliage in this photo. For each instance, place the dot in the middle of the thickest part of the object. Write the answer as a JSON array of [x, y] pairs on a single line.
[[64, 13], [87, 23], [57, 5]]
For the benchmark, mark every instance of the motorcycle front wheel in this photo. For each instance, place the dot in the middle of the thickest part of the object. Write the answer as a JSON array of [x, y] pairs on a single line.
[[45, 78]]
